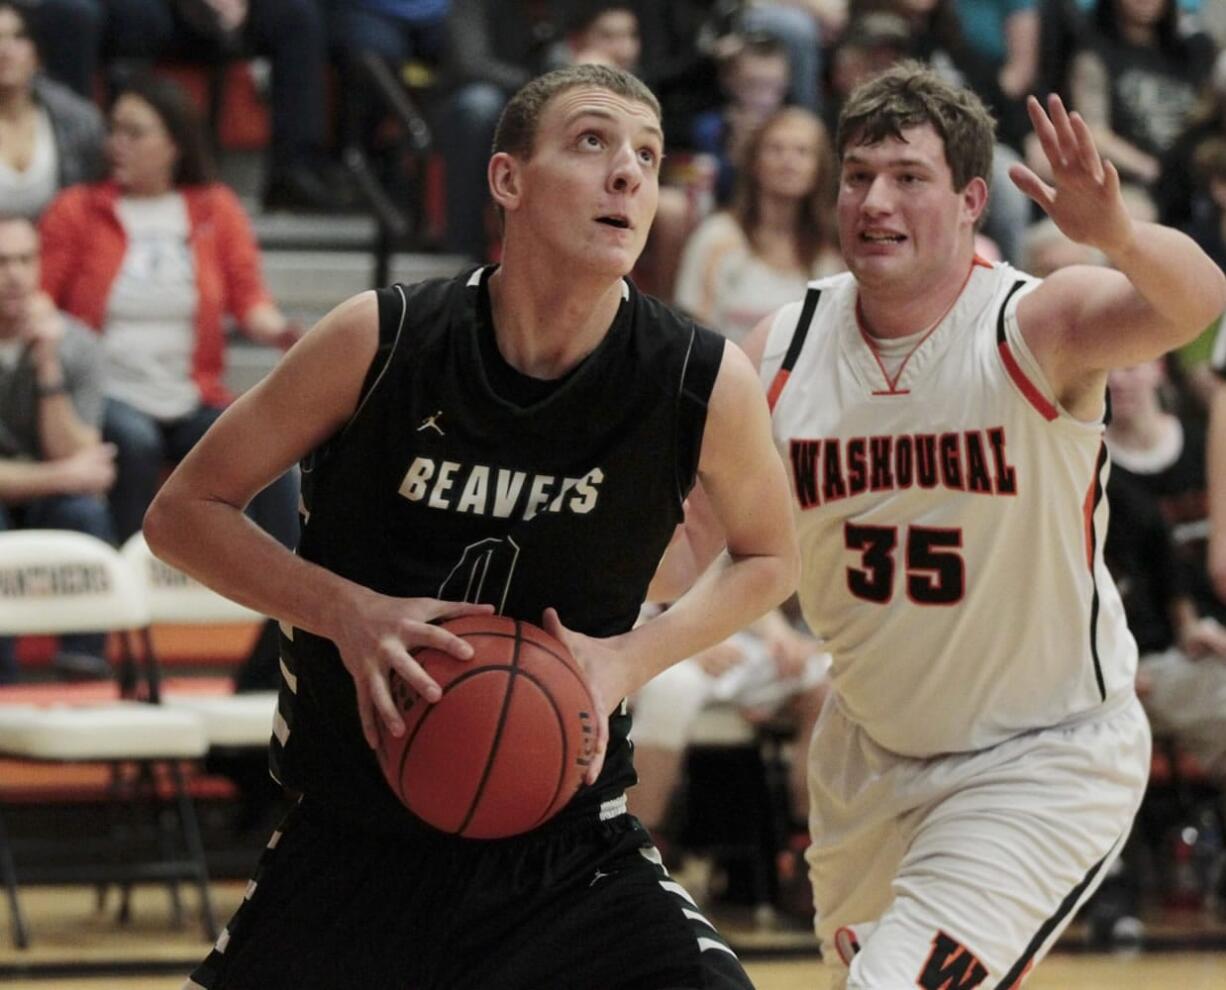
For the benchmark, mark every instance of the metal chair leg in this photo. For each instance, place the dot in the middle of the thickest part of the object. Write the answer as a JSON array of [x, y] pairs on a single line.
[[21, 935], [195, 849]]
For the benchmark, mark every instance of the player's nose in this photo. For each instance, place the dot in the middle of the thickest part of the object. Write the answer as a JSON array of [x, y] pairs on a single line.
[[626, 173], [878, 197]]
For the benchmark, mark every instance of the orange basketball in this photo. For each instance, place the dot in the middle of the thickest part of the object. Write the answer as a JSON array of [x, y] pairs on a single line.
[[507, 744]]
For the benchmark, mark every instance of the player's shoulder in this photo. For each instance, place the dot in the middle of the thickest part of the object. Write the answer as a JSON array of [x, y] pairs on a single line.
[[832, 293], [668, 343], [665, 326], [429, 306]]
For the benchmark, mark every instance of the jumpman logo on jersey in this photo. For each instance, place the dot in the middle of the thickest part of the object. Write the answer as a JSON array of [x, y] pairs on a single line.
[[431, 423]]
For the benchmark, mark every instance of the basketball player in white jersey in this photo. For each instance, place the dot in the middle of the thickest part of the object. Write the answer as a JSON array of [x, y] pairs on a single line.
[[982, 753]]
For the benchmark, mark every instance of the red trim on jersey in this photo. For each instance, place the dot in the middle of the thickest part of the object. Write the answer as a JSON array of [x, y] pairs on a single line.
[[1022, 979], [846, 944], [1088, 508], [1025, 385], [981, 261], [780, 379]]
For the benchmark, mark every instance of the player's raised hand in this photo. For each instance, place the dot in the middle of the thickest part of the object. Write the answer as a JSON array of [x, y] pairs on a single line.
[[1085, 201], [379, 636]]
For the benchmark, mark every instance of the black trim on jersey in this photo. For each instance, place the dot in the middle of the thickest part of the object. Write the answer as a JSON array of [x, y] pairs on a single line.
[[685, 367], [1049, 926], [802, 329], [1000, 317], [389, 301], [1098, 498], [693, 397]]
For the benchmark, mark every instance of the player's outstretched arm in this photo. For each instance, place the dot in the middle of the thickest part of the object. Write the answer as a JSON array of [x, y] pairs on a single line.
[[1084, 321], [197, 524]]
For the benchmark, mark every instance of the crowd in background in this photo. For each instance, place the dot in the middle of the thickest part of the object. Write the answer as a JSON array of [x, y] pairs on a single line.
[[142, 246]]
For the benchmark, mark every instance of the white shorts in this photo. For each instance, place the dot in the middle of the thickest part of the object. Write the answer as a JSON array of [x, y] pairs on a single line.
[[666, 707], [962, 870]]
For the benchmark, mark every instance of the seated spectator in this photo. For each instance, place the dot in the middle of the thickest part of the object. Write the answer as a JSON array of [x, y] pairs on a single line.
[[1135, 80], [54, 469], [1208, 227], [605, 32], [745, 262], [49, 136], [805, 28], [291, 34], [69, 34], [493, 48], [1181, 676], [766, 671], [873, 41], [1003, 37], [753, 76], [680, 43], [937, 38], [1046, 249], [395, 31], [152, 260], [1180, 195], [1157, 442]]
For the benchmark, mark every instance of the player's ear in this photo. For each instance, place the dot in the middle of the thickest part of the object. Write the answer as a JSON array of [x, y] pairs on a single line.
[[975, 198], [504, 180]]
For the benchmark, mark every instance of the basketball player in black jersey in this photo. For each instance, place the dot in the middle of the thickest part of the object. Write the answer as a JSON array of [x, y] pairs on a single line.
[[539, 423]]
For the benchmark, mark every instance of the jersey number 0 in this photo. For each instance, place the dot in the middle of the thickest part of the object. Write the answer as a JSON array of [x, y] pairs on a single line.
[[483, 573]]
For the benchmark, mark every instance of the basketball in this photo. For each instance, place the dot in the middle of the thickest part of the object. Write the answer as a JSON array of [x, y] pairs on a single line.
[[507, 744]]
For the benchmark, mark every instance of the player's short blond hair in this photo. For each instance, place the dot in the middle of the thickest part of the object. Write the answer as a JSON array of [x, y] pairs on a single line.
[[516, 131]]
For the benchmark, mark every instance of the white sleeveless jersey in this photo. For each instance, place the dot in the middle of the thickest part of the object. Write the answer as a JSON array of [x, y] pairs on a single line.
[[951, 523]]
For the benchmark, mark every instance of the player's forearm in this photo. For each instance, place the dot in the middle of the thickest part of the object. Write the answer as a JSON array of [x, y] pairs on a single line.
[[61, 431], [1022, 48], [730, 595], [1181, 283], [21, 481], [695, 545], [218, 545]]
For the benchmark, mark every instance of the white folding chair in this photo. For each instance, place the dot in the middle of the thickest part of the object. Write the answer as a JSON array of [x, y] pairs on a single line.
[[231, 722], [53, 582]]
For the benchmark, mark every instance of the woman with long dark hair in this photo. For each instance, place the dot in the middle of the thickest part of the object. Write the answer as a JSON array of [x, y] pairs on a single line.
[[743, 262]]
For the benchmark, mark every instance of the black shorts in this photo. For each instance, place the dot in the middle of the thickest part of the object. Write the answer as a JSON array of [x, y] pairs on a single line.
[[576, 905]]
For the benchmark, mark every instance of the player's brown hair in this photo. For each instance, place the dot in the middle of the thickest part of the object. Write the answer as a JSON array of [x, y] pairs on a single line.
[[910, 94], [516, 132]]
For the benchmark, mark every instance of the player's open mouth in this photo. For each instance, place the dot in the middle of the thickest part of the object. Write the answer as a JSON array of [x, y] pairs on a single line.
[[878, 238], [620, 222]]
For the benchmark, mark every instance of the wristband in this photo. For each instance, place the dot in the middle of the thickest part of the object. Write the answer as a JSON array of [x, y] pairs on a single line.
[[46, 391]]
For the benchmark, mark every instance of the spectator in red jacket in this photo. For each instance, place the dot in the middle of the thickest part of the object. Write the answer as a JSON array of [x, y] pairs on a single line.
[[153, 260]]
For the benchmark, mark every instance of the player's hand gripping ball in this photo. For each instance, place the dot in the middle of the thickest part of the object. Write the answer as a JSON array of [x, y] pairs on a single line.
[[507, 744]]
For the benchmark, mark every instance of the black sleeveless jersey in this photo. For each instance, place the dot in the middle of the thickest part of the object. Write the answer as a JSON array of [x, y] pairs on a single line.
[[438, 486]]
